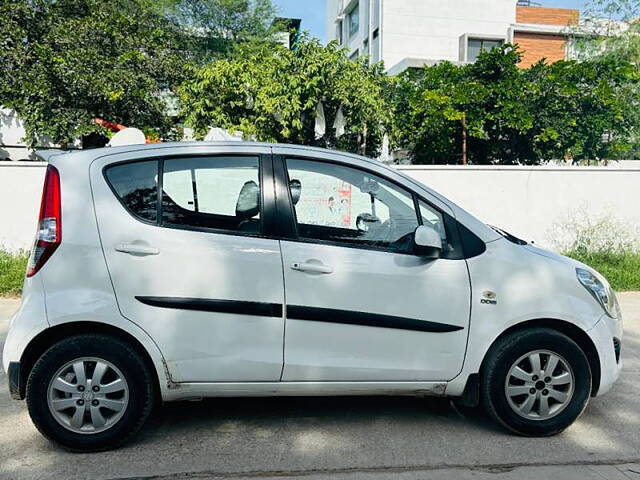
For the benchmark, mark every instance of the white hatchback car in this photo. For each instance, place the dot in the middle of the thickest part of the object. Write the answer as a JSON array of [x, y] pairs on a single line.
[[180, 271]]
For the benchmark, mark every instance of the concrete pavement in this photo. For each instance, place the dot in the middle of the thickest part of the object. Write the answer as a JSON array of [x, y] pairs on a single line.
[[344, 438]]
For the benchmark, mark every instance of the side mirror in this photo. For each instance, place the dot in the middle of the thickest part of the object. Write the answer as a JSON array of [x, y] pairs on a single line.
[[427, 242]]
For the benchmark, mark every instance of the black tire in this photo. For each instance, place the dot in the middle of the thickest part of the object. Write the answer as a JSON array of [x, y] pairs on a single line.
[[117, 352], [508, 350]]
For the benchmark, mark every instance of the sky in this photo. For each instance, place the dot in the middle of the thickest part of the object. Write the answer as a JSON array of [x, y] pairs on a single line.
[[312, 12]]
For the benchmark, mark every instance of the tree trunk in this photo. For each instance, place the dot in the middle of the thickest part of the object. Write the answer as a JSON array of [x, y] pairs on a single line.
[[363, 144], [464, 139]]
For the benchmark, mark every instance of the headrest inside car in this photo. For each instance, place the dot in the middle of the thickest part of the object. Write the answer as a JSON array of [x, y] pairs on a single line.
[[248, 204], [296, 190]]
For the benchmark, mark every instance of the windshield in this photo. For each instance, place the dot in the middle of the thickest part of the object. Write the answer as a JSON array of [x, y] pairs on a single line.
[[508, 236]]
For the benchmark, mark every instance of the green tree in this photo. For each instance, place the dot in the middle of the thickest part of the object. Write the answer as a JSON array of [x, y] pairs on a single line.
[[500, 113], [216, 27], [273, 94], [583, 110], [65, 62], [609, 29], [429, 107], [448, 114]]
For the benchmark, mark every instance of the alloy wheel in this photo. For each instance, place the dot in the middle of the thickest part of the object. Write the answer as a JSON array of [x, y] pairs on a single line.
[[88, 395], [539, 385]]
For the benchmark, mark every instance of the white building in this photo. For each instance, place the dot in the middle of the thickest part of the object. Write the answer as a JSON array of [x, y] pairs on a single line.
[[412, 33]]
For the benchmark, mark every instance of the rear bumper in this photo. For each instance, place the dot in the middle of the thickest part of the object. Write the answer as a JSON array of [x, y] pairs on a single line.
[[25, 324], [15, 381]]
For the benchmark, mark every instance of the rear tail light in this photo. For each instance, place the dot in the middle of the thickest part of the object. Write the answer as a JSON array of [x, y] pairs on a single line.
[[49, 233]]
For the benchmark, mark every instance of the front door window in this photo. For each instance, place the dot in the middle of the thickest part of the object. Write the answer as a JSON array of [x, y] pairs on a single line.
[[347, 206]]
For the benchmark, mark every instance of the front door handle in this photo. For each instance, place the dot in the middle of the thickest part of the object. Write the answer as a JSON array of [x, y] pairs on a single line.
[[136, 249], [311, 267]]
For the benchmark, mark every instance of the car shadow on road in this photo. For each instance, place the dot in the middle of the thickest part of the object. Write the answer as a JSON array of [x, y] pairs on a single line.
[[327, 412]]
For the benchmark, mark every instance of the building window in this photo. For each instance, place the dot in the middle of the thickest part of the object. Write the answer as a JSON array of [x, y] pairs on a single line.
[[339, 31], [475, 46], [353, 20], [365, 47], [354, 56]]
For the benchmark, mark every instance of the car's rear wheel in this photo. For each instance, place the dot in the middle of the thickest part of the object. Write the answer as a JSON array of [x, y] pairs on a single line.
[[90, 392], [536, 382]]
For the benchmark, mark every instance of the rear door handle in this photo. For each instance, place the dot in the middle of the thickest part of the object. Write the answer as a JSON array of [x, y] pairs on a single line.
[[136, 249], [311, 267]]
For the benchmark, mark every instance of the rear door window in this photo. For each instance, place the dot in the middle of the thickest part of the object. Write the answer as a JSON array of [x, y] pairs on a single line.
[[221, 193], [218, 193], [136, 185]]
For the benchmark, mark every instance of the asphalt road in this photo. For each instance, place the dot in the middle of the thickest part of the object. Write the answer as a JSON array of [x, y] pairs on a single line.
[[343, 438]]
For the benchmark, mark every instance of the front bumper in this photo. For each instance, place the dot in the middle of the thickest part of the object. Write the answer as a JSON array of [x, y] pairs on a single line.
[[605, 335], [15, 381]]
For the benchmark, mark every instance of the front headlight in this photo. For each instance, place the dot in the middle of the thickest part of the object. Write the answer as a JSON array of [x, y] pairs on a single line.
[[602, 292]]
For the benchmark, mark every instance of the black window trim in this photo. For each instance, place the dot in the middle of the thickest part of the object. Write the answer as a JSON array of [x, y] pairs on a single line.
[[267, 195], [281, 177], [278, 214], [119, 198]]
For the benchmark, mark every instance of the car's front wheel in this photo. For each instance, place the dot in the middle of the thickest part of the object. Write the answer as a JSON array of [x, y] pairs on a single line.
[[90, 392], [536, 382]]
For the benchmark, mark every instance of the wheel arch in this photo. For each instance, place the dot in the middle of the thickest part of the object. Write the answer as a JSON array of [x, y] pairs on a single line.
[[48, 337], [572, 331]]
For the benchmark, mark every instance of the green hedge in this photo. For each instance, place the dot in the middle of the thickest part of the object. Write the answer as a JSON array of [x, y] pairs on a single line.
[[12, 269], [621, 269]]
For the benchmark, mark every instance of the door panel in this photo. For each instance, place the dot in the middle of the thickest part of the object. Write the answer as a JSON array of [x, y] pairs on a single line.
[[425, 302], [360, 305], [212, 300]]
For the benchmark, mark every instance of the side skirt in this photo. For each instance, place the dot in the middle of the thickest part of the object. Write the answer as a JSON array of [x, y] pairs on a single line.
[[186, 391]]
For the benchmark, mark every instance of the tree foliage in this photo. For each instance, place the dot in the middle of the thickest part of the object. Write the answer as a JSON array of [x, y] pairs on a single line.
[[218, 26], [609, 29], [65, 62], [576, 110], [272, 95]]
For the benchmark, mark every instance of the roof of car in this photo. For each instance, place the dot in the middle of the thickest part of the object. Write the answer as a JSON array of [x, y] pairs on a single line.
[[87, 156], [45, 155]]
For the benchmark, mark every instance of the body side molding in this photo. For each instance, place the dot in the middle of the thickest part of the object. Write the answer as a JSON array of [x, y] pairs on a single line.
[[297, 312], [365, 319], [211, 305]]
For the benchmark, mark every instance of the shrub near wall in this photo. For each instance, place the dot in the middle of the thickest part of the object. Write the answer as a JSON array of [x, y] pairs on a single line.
[[604, 243], [621, 269], [12, 270]]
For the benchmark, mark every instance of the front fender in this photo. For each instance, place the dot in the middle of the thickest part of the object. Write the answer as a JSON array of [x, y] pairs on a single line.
[[525, 287]]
